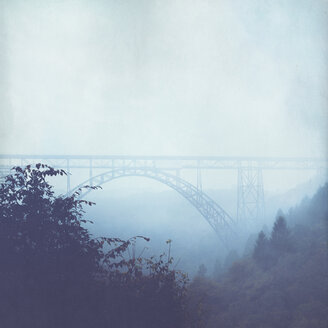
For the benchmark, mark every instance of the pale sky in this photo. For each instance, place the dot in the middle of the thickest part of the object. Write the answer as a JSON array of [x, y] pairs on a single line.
[[165, 77]]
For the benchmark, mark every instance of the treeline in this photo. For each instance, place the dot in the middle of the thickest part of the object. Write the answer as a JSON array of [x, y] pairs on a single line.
[[283, 283]]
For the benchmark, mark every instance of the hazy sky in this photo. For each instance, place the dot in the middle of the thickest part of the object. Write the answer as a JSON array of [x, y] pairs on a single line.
[[175, 77]]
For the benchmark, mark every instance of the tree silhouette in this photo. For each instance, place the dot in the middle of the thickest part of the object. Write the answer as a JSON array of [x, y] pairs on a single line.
[[47, 258], [280, 236], [42, 234], [262, 252], [261, 247], [54, 274]]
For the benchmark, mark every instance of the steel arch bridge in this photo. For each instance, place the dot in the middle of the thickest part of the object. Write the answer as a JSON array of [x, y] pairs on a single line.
[[221, 222], [168, 169]]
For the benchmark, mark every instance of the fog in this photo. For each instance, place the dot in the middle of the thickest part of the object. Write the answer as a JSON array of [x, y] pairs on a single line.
[[225, 78], [164, 77], [229, 78]]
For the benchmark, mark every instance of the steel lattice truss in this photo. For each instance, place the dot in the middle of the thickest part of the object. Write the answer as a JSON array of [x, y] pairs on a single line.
[[167, 169], [250, 194]]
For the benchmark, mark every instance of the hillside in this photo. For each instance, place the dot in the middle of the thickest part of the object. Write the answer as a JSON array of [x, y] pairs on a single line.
[[284, 283]]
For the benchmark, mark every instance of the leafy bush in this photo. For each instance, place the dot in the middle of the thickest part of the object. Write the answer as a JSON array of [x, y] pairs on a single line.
[[53, 273]]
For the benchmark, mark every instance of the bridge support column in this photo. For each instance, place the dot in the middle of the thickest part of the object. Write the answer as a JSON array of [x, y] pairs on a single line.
[[250, 207]]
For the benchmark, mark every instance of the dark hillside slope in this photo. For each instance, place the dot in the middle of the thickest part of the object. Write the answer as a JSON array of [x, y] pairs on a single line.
[[283, 284]]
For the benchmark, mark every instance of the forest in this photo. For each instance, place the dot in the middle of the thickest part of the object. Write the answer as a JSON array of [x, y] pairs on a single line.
[[55, 273]]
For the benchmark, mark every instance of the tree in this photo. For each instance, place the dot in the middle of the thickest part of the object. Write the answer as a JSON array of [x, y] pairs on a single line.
[[41, 234], [261, 247], [280, 236], [47, 258], [262, 252], [54, 274]]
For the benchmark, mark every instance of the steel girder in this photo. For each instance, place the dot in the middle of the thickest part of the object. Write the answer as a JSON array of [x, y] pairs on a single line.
[[167, 162]]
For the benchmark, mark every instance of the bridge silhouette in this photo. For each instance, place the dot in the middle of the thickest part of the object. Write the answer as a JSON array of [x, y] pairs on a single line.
[[167, 170]]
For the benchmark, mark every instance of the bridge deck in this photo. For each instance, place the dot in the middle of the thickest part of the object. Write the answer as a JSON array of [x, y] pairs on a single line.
[[167, 162]]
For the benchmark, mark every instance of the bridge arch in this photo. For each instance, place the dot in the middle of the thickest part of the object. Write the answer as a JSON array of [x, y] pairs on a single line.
[[215, 215]]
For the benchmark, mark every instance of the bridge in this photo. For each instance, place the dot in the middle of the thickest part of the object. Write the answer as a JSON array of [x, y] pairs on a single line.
[[167, 170]]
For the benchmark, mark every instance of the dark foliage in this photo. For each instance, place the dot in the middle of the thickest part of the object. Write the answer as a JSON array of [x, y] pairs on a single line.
[[262, 253], [280, 236], [284, 284], [267, 252], [54, 274]]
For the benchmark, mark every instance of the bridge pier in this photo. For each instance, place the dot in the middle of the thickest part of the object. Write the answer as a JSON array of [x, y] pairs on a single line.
[[250, 202]]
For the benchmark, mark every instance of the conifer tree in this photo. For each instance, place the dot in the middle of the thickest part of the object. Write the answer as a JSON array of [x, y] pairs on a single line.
[[261, 248], [280, 236]]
